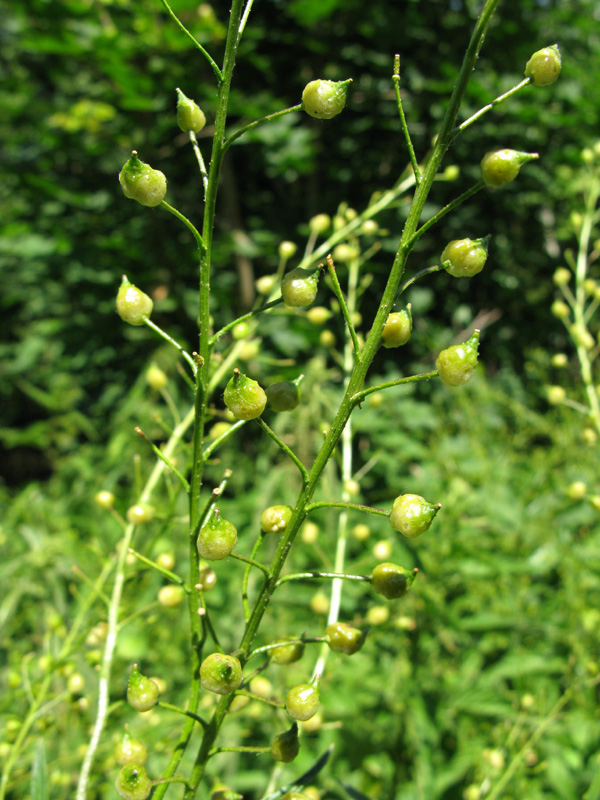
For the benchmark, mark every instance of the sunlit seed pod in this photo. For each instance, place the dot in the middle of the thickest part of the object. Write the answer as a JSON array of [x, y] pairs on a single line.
[[156, 378], [130, 751], [464, 258], [190, 116], [244, 397], [344, 638], [319, 603], [142, 692], [261, 686], [590, 285], [239, 702], [139, 514], [265, 284], [275, 519], [302, 701], [319, 223], [166, 560], [283, 395], [299, 287], [287, 250], [352, 487], [555, 395], [218, 430], [344, 253], [562, 276], [133, 305], [502, 166], [451, 172], [220, 673], [391, 580], [141, 182], [595, 501], [544, 66], [361, 532], [456, 364], [589, 437], [397, 329], [327, 339], [216, 538], [412, 515], [76, 683], [207, 578], [378, 615], [249, 350], [132, 783], [285, 746], [577, 490], [318, 315], [171, 596], [325, 99], [309, 533], [104, 499], [376, 399], [382, 550], [369, 227], [240, 331], [288, 654], [560, 309]]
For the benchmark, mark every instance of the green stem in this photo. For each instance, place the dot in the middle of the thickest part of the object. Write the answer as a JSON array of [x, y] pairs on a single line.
[[343, 305], [304, 576], [446, 210], [172, 576], [186, 222], [213, 445], [160, 454], [190, 36], [458, 130], [245, 581], [201, 164], [270, 432], [178, 710], [244, 317], [258, 122], [424, 376], [346, 505], [251, 561], [417, 276], [240, 749], [260, 698], [405, 131], [172, 341]]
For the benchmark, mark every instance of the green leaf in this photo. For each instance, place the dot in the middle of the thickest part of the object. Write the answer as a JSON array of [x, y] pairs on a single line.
[[39, 777]]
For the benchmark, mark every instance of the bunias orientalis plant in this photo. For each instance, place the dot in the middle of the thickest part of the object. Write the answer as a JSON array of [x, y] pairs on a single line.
[[226, 668], [576, 305]]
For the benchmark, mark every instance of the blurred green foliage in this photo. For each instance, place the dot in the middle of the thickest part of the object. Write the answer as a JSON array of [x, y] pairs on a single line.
[[503, 616]]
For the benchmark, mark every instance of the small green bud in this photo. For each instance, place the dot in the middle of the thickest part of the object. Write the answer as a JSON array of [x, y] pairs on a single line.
[[265, 284], [244, 397], [361, 532], [369, 227], [502, 166], [190, 116], [156, 378], [142, 692], [288, 653], [577, 490], [240, 331], [217, 537], [544, 66], [275, 519], [139, 514], [391, 580], [104, 499], [561, 276], [299, 287], [285, 746], [284, 395], [130, 751], [310, 533], [463, 258], [559, 360], [287, 250], [171, 596], [220, 673], [302, 701], [378, 615], [133, 306], [318, 315], [319, 223], [412, 515], [142, 183], [325, 99], [343, 638], [397, 329], [560, 309], [132, 783], [556, 395], [456, 365], [345, 253]]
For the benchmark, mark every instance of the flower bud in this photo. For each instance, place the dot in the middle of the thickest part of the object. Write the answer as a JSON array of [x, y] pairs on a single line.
[[502, 166], [265, 284], [142, 693], [139, 514], [287, 250], [456, 365], [132, 783], [216, 538], [560, 309], [275, 519], [397, 329], [555, 394], [544, 66], [412, 515], [391, 580], [190, 116], [463, 258], [319, 223], [559, 360], [325, 99], [104, 499], [133, 306], [244, 397], [561, 276], [285, 746], [220, 673], [299, 287], [142, 183]]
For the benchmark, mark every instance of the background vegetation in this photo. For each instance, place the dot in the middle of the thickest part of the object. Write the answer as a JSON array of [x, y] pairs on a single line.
[[503, 619]]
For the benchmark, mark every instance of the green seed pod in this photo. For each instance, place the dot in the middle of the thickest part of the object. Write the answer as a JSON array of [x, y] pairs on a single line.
[[130, 751], [275, 519], [319, 223], [190, 116], [285, 746], [217, 537], [139, 514], [171, 596], [556, 395], [133, 306], [456, 365], [244, 397], [284, 395], [463, 258], [391, 580], [560, 309], [220, 673], [287, 250], [156, 378], [343, 638], [104, 499], [299, 287], [132, 783], [544, 66], [287, 654], [412, 515], [325, 99], [502, 166], [397, 328], [302, 701], [142, 183], [142, 693], [562, 276]]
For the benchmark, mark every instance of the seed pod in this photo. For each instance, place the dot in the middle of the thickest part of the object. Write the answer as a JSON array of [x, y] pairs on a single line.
[[287, 250], [217, 537], [275, 519], [544, 66], [130, 751], [343, 638], [104, 499], [463, 258], [244, 397], [220, 673], [139, 514], [319, 223], [171, 596], [302, 701], [285, 746], [391, 580], [456, 365], [190, 116], [299, 287], [287, 654], [412, 515], [284, 395], [142, 183], [502, 166], [142, 693], [133, 306], [132, 783], [325, 99], [397, 328]]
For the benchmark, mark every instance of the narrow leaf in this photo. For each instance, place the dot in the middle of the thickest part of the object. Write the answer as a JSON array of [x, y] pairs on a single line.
[[39, 778]]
